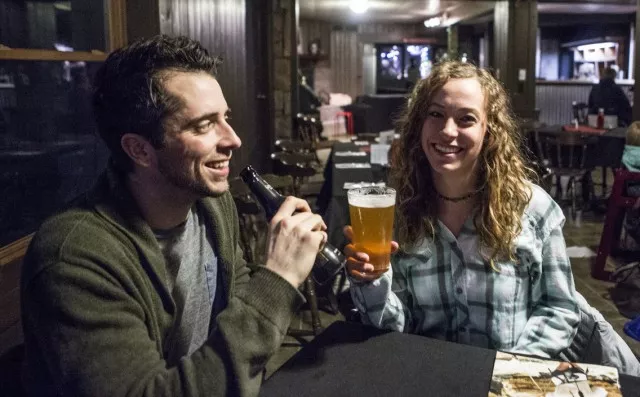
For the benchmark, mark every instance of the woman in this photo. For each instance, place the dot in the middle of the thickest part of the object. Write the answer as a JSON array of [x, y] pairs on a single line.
[[482, 259]]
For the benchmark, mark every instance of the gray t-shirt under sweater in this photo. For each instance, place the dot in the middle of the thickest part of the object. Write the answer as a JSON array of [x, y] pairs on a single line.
[[193, 281]]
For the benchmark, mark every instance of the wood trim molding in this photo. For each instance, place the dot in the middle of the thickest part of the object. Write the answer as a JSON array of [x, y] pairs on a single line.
[[117, 22], [14, 250], [51, 55]]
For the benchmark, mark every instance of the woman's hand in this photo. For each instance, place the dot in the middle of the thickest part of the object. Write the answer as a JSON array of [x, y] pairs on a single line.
[[358, 265]]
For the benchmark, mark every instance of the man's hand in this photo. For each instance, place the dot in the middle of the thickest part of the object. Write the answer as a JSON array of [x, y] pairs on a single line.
[[295, 236], [358, 265]]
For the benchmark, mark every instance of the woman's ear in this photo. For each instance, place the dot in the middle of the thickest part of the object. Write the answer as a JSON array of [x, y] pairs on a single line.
[[139, 149]]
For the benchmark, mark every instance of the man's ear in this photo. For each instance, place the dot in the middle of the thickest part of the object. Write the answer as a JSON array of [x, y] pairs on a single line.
[[139, 149]]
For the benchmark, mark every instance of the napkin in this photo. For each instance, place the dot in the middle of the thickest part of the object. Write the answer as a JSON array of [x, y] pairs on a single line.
[[380, 153], [356, 185], [350, 153], [352, 165]]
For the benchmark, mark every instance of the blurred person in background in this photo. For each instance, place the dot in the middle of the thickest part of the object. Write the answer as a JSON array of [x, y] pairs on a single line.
[[609, 96]]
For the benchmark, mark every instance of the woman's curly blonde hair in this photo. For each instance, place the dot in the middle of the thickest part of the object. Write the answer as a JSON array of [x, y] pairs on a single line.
[[504, 177]]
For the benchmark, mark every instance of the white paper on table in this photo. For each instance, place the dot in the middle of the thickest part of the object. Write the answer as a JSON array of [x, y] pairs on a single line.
[[361, 143], [343, 166], [350, 154], [380, 153], [356, 185], [386, 136]]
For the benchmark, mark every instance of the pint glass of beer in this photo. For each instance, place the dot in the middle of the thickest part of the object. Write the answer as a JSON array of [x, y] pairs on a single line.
[[371, 210]]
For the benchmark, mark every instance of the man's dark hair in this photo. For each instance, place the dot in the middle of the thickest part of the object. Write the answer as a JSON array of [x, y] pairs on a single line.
[[129, 96]]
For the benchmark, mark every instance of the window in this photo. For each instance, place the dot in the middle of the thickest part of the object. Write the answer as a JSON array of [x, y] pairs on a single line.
[[49, 149]]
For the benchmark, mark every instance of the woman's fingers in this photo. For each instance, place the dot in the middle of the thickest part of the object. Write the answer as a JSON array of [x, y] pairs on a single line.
[[350, 251], [348, 233]]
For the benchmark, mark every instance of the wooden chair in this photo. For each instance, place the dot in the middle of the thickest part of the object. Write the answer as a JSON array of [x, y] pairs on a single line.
[[619, 202], [307, 149], [308, 128], [295, 146], [567, 155], [297, 165]]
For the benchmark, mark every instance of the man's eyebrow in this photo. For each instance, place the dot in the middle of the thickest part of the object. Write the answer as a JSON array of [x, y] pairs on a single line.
[[206, 116]]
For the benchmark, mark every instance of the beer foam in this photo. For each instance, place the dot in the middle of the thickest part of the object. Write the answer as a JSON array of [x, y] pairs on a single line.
[[372, 201]]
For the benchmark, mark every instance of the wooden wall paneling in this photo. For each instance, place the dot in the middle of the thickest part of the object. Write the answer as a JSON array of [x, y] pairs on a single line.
[[345, 58], [315, 30], [117, 22], [500, 36], [220, 25], [260, 89], [144, 18], [515, 29]]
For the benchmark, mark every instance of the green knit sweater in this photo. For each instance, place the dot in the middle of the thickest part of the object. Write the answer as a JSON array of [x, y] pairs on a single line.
[[96, 310]]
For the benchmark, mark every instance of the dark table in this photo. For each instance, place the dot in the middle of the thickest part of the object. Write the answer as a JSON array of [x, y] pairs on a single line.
[[350, 359], [332, 201]]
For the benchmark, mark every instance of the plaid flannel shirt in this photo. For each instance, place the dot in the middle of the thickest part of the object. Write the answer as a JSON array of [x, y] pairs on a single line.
[[445, 289]]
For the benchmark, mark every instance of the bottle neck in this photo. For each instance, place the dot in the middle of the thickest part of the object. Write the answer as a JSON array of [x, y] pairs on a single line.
[[266, 195]]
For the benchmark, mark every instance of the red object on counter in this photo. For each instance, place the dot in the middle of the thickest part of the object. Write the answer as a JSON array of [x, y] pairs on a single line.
[[600, 122], [583, 129]]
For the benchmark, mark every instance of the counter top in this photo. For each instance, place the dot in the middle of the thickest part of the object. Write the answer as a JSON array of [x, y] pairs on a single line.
[[580, 82]]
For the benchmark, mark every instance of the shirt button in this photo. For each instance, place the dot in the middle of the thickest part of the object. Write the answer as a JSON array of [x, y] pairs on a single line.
[[458, 290]]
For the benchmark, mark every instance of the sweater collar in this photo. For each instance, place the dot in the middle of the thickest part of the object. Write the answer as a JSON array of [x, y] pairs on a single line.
[[115, 203]]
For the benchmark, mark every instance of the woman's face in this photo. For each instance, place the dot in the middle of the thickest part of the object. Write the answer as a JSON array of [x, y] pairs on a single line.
[[454, 129]]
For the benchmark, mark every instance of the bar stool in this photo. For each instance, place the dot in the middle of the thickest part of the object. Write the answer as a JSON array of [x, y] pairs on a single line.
[[349, 117], [618, 203]]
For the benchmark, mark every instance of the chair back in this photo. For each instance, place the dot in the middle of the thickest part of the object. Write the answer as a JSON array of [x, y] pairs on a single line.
[[567, 150], [292, 146], [308, 127], [295, 164], [580, 112]]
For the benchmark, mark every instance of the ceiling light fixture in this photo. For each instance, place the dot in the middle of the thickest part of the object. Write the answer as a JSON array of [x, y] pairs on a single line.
[[359, 6], [432, 22]]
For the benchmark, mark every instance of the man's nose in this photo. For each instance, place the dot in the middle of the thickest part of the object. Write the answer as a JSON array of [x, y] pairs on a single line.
[[230, 140]]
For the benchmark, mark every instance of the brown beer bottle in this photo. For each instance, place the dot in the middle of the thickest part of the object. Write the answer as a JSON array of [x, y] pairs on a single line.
[[329, 260]]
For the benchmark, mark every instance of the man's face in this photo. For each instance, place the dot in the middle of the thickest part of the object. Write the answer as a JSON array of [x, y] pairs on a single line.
[[198, 139]]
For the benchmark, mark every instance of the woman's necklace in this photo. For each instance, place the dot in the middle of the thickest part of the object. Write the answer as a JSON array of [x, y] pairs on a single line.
[[457, 199]]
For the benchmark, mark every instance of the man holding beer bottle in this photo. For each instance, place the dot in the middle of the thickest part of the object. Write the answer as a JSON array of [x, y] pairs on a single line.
[[140, 287]]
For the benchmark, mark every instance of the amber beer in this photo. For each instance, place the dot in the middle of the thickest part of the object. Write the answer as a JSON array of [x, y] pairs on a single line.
[[371, 210]]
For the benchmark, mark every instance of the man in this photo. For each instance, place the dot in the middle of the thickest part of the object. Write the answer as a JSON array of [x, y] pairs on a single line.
[[609, 96], [140, 288]]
